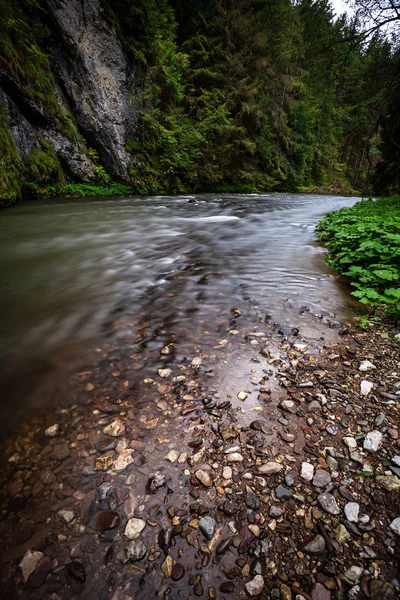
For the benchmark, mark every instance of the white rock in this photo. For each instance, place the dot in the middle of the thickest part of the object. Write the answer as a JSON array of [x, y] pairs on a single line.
[[29, 563], [350, 442], [172, 456], [115, 429], [366, 387], [52, 431], [67, 515], [134, 528], [227, 473], [366, 365], [269, 468], [396, 461], [300, 347], [351, 510], [204, 477], [395, 525], [243, 395], [372, 441], [255, 586], [234, 457], [307, 471], [124, 460], [164, 372]]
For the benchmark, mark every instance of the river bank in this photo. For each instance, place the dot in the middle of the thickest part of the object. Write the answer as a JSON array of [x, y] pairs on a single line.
[[171, 482]]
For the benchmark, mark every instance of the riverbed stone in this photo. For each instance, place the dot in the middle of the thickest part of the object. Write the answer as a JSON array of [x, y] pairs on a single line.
[[135, 550], [319, 592], [366, 387], [341, 534], [204, 477], [395, 525], [134, 528], [288, 406], [29, 563], [52, 431], [315, 546], [255, 586], [115, 429], [269, 468], [351, 510], [207, 526], [172, 456], [307, 471], [373, 441], [328, 503], [321, 478]]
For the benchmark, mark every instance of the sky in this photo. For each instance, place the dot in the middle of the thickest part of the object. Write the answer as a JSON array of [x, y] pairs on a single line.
[[340, 7]]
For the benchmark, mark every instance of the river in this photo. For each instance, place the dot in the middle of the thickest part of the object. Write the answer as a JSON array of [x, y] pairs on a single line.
[[70, 267]]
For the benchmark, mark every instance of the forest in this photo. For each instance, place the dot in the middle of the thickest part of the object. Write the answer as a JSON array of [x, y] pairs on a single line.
[[219, 95]]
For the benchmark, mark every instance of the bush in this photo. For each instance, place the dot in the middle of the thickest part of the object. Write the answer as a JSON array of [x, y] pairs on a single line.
[[364, 244]]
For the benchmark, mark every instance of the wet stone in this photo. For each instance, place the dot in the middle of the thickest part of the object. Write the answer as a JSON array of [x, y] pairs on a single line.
[[319, 592], [255, 586], [282, 492], [351, 510], [207, 527], [252, 501], [106, 520], [178, 572], [106, 443], [204, 477], [328, 503], [41, 572], [134, 527], [29, 563], [61, 451], [276, 511], [155, 481], [315, 546], [105, 491], [227, 587], [104, 461], [135, 551], [321, 478], [223, 546]]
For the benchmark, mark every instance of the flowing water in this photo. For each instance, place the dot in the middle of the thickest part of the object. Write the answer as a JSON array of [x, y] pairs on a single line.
[[69, 268]]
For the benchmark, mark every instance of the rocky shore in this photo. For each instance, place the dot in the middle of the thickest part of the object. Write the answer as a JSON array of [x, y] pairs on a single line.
[[271, 474]]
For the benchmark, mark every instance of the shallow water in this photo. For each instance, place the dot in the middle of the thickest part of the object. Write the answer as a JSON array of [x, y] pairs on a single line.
[[70, 268]]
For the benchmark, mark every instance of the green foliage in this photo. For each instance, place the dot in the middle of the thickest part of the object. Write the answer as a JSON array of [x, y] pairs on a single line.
[[34, 191], [10, 164], [364, 244]]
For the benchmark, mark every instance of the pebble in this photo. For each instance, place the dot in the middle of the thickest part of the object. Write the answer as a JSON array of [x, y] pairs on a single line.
[[319, 592], [353, 574], [395, 525], [123, 461], [234, 457], [223, 546], [315, 546], [288, 406], [52, 431], [106, 520], [321, 478], [389, 482], [341, 534], [67, 515], [61, 451], [289, 479], [134, 527], [227, 587], [276, 511], [269, 468], [396, 461], [177, 572], [255, 586], [155, 481], [172, 456], [227, 473], [115, 429], [328, 503], [167, 566], [207, 527], [332, 429], [366, 365], [366, 387], [307, 471], [105, 461], [204, 477], [351, 510], [282, 492], [29, 563], [285, 592], [350, 442], [373, 441], [135, 551]]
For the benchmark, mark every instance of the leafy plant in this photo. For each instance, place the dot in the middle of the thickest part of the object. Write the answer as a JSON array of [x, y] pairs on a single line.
[[364, 244]]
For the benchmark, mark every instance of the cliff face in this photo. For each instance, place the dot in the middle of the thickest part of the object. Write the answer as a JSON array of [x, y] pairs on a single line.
[[68, 104]]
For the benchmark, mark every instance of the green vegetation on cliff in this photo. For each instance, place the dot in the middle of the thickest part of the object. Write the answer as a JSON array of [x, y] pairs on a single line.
[[364, 244], [247, 95]]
